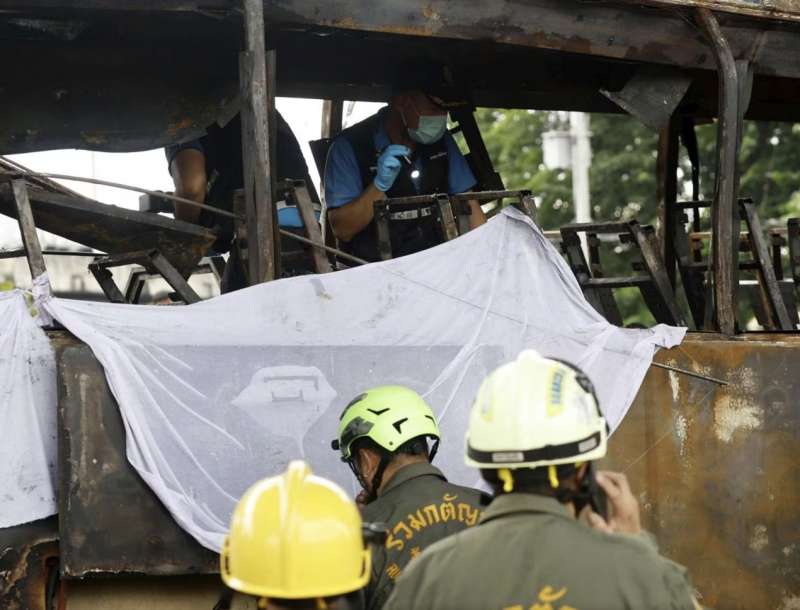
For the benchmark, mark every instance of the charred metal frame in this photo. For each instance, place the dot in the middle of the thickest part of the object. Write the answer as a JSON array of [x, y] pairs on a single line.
[[153, 262], [296, 193], [773, 305], [725, 211], [793, 237], [451, 211], [654, 283], [215, 265]]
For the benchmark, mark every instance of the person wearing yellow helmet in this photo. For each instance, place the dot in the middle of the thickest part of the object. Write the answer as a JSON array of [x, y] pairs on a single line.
[[534, 430], [297, 541], [384, 436]]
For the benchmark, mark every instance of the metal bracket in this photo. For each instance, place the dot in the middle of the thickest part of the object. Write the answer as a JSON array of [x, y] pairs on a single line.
[[153, 262]]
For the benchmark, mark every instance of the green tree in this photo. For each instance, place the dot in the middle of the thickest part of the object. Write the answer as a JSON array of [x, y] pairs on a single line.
[[769, 166], [623, 174]]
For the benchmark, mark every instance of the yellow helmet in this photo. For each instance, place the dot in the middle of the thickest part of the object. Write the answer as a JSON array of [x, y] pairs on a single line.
[[295, 536], [535, 412]]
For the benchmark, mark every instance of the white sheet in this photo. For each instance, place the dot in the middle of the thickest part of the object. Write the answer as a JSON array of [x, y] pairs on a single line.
[[218, 394], [27, 416]]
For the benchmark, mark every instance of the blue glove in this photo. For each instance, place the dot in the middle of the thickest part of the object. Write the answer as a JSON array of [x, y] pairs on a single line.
[[389, 166]]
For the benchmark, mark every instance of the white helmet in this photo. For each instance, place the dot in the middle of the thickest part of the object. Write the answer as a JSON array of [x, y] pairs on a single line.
[[532, 412]]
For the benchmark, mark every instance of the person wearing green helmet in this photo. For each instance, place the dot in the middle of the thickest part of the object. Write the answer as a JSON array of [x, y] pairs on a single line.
[[384, 436]]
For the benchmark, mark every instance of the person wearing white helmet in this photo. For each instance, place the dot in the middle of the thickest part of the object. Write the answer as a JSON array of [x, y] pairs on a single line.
[[535, 428]]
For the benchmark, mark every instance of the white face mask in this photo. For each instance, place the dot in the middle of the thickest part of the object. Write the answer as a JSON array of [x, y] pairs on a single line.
[[430, 130]]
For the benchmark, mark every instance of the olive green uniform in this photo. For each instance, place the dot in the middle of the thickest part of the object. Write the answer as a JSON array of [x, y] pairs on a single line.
[[529, 553], [419, 507]]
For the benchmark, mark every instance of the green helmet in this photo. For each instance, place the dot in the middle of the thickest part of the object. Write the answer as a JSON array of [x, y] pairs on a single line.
[[389, 415]]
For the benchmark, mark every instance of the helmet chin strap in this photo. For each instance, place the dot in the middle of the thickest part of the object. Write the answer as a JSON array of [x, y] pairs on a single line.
[[371, 487]]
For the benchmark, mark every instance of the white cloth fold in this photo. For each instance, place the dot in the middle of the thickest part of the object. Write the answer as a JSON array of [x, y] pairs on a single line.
[[42, 291], [221, 393], [27, 415]]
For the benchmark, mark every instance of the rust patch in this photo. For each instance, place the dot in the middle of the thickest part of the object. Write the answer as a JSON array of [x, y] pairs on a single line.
[[716, 467]]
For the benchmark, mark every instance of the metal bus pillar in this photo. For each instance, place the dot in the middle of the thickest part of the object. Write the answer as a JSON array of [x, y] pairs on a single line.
[[332, 117], [257, 90], [667, 192], [725, 212]]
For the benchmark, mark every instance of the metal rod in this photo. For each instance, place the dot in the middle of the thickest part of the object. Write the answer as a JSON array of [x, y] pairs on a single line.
[[21, 253], [689, 373], [128, 187], [288, 234], [14, 166], [335, 251]]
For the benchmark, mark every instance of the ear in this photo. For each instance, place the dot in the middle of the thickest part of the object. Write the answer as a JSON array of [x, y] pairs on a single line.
[[367, 460], [580, 473]]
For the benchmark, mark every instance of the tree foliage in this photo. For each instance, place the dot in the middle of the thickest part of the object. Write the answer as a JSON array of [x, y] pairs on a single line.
[[623, 173]]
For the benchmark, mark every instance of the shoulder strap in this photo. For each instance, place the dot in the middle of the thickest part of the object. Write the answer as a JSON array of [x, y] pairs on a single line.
[[362, 139]]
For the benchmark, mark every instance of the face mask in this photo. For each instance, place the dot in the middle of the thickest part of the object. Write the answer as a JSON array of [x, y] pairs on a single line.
[[430, 130]]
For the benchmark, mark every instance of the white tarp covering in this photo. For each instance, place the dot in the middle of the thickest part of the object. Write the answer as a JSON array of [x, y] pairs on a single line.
[[27, 415], [221, 393]]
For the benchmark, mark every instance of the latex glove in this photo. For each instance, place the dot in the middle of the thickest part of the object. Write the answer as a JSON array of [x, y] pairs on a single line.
[[389, 166]]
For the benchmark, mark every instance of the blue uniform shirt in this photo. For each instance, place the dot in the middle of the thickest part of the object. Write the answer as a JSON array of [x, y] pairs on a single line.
[[343, 178]]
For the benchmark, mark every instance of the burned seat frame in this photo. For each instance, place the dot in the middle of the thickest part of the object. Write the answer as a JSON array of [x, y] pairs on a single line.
[[598, 289], [693, 269], [452, 212]]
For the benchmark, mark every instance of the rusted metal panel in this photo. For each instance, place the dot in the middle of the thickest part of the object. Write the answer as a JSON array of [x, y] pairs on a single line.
[[27, 554], [110, 521], [716, 468], [604, 29], [772, 9], [132, 77], [156, 593]]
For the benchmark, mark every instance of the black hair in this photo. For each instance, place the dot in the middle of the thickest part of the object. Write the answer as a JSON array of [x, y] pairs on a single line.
[[536, 481], [415, 446]]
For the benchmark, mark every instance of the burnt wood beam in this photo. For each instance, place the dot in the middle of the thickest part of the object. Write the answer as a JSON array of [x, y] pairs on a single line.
[[256, 147]]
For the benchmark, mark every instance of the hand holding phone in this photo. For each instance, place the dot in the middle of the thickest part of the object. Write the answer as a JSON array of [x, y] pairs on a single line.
[[623, 508]]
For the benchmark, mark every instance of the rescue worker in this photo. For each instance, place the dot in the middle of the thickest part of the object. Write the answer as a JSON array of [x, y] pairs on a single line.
[[296, 541], [403, 150], [383, 436], [209, 170], [534, 430]]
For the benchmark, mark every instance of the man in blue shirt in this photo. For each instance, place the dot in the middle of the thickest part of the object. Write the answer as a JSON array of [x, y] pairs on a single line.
[[401, 151]]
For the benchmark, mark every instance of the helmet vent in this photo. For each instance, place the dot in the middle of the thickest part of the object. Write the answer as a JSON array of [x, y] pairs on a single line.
[[430, 417], [378, 411], [398, 424]]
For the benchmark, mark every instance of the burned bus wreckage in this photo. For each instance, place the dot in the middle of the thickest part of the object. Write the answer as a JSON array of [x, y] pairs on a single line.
[[711, 439]]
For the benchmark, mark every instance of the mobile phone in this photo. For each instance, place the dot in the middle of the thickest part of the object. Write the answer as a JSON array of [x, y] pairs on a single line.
[[597, 497], [592, 494]]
